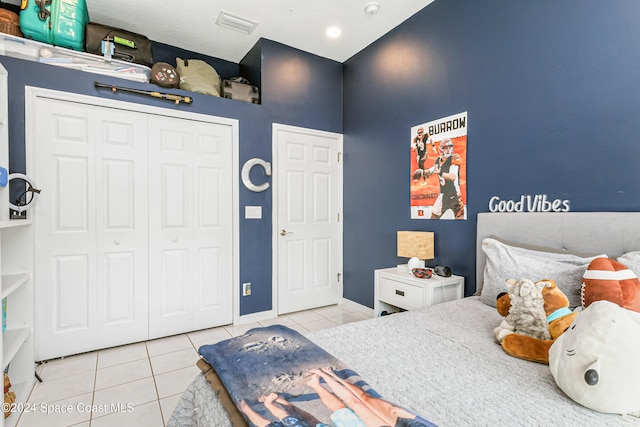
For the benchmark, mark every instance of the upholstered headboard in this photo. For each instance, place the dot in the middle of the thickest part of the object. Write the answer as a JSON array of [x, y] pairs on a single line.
[[612, 233]]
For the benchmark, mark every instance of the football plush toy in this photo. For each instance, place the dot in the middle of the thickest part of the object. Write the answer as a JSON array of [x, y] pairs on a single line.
[[607, 279]]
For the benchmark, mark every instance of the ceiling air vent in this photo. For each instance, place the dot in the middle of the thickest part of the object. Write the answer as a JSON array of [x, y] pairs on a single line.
[[229, 20]]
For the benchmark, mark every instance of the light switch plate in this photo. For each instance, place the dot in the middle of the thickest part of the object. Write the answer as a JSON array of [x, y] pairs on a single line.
[[253, 212]]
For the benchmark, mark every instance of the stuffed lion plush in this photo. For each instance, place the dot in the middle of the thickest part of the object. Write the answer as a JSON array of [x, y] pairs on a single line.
[[559, 317]]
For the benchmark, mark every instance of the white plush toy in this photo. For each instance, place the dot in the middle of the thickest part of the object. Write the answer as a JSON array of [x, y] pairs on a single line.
[[596, 362]]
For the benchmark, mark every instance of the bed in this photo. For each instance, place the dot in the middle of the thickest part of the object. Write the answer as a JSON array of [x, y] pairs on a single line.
[[443, 361]]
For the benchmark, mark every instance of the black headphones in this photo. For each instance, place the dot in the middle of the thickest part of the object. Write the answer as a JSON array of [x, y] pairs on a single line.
[[442, 270]]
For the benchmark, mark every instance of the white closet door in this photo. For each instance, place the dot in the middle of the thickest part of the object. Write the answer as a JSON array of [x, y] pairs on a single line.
[[190, 225], [91, 234]]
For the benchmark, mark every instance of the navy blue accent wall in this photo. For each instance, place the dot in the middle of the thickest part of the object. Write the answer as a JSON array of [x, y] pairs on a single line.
[[552, 91], [304, 77], [308, 77], [302, 88]]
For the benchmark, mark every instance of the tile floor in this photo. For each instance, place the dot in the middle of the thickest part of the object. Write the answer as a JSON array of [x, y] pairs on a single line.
[[146, 378]]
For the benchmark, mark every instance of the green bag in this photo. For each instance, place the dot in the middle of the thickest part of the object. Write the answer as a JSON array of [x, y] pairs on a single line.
[[198, 76], [57, 22]]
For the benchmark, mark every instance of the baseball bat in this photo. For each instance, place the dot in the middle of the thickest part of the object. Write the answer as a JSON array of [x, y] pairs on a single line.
[[168, 96]]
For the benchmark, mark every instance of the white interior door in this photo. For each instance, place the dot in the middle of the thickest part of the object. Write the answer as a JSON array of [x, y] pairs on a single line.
[[91, 234], [190, 225], [308, 191]]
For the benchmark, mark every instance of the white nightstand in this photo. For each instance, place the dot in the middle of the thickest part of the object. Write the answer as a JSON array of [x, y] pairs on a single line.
[[397, 289]]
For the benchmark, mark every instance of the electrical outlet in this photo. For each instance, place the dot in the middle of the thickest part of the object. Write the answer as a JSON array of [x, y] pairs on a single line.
[[246, 289]]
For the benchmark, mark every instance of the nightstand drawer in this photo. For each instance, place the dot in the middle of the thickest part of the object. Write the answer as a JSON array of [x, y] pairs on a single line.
[[408, 297]]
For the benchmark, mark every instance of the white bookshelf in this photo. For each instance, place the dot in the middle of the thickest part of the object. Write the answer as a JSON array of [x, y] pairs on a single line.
[[16, 285]]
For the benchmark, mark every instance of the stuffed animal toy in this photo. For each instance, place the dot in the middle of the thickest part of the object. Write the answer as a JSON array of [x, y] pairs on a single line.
[[9, 396], [558, 317], [595, 362], [607, 279], [526, 314]]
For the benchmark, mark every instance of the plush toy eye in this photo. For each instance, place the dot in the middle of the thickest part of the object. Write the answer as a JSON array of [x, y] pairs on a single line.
[[591, 377]]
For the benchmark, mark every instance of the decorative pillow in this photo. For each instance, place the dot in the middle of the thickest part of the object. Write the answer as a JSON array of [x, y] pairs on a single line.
[[609, 280], [509, 262], [537, 248]]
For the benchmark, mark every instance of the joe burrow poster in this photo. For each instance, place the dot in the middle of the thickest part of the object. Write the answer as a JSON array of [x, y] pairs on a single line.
[[439, 168]]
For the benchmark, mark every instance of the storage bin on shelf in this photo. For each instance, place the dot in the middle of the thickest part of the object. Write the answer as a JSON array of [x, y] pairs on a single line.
[[22, 48]]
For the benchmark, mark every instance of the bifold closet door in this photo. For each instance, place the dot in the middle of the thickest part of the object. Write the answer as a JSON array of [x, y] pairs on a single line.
[[190, 225], [91, 227]]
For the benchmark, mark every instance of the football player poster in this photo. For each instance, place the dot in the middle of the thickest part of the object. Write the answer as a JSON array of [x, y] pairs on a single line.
[[438, 187]]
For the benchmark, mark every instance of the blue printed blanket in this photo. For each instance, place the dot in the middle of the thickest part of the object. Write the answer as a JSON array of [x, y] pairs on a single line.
[[277, 377]]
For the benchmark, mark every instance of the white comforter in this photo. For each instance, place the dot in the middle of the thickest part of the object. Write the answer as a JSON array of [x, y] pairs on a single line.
[[442, 362]]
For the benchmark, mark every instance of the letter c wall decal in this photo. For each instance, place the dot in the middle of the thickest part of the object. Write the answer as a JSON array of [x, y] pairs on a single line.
[[246, 170]]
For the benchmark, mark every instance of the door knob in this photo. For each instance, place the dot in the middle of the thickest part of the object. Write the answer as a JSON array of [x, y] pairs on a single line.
[[284, 232]]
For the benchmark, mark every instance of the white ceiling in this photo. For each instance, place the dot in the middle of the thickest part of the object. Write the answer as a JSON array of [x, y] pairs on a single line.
[[191, 24]]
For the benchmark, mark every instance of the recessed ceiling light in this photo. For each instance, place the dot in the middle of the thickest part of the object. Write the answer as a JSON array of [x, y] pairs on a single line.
[[371, 8], [334, 32]]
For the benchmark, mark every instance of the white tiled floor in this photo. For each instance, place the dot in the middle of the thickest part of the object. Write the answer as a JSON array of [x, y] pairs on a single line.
[[146, 378]]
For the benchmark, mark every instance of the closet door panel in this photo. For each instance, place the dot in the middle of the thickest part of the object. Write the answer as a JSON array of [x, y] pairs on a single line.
[[209, 297], [175, 269], [69, 254], [186, 215], [121, 226], [208, 213], [174, 187], [71, 293], [214, 223], [117, 242], [65, 231], [90, 259], [119, 206], [119, 290], [72, 196], [171, 272]]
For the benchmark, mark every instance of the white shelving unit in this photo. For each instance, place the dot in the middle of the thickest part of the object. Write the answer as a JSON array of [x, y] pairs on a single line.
[[18, 47], [16, 284]]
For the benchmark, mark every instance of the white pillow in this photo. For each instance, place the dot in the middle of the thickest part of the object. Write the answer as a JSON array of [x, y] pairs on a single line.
[[631, 260], [510, 262]]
